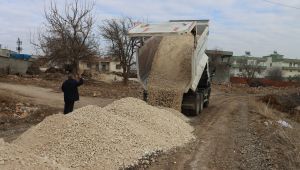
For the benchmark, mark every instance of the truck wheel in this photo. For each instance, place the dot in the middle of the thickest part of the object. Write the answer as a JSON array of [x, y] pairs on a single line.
[[205, 105], [201, 102], [198, 104]]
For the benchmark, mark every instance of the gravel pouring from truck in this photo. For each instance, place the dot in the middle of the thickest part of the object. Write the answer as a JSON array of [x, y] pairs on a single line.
[[172, 64]]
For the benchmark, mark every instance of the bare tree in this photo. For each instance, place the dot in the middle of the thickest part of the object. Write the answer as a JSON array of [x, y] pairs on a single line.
[[250, 71], [68, 38], [275, 74], [115, 32]]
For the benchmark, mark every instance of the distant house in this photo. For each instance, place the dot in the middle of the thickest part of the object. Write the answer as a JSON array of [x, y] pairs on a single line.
[[289, 67], [101, 64], [110, 64], [89, 64]]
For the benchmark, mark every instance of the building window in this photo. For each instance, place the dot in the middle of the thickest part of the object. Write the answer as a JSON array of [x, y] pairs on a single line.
[[118, 66], [88, 65]]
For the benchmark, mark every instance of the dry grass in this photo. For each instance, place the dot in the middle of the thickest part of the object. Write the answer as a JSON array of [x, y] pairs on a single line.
[[262, 109]]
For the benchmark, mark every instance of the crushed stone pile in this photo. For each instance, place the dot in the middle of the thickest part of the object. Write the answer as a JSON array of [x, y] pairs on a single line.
[[15, 157], [171, 71], [112, 137]]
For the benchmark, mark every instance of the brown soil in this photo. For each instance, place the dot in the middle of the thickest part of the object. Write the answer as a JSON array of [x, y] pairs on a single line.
[[18, 114], [171, 71], [22, 106], [286, 103], [91, 88], [237, 132]]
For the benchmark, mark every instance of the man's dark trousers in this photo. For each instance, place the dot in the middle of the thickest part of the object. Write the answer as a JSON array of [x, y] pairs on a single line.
[[69, 105]]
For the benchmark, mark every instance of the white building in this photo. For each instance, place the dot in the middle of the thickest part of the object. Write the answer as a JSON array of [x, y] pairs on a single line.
[[109, 64], [5, 52], [289, 67], [105, 64]]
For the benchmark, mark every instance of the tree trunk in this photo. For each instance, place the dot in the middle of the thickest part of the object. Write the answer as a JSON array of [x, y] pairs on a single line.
[[75, 67], [125, 76]]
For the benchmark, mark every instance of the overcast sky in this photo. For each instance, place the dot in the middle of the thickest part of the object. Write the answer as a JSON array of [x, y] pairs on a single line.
[[235, 25]]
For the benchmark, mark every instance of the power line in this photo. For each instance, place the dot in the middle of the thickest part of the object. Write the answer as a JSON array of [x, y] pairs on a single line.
[[281, 4]]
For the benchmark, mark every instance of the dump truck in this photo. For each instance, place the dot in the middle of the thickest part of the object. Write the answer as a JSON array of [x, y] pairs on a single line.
[[175, 51]]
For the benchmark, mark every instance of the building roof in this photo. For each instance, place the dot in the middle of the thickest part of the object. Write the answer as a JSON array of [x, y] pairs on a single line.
[[243, 58], [218, 53], [108, 59], [289, 60], [93, 59]]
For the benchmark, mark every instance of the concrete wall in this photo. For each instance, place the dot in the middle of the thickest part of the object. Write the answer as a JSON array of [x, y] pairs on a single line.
[[222, 72], [15, 66]]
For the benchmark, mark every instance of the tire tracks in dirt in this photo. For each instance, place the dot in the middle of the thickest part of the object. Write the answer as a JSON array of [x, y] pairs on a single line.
[[225, 138]]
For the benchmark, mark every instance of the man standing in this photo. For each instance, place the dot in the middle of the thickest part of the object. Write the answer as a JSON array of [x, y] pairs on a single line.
[[69, 87]]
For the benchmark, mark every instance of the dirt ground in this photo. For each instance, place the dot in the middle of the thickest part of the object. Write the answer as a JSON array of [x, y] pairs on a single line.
[[237, 130], [91, 88], [17, 114], [23, 106], [45, 96]]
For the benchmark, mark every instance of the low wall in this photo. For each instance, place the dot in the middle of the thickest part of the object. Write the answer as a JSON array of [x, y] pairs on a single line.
[[265, 82], [14, 66]]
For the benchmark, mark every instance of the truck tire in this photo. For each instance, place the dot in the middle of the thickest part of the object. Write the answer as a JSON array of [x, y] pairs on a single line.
[[201, 102], [205, 105], [198, 104]]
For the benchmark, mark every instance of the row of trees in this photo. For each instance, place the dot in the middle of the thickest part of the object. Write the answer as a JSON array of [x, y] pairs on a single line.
[[69, 37], [250, 71]]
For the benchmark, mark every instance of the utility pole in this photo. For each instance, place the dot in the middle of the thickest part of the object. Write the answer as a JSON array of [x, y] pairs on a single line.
[[19, 48]]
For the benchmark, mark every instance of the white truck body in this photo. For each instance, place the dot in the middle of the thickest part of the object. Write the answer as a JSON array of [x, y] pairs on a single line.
[[200, 30]]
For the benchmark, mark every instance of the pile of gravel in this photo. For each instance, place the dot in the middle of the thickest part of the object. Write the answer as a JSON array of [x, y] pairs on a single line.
[[171, 71], [16, 157], [112, 137]]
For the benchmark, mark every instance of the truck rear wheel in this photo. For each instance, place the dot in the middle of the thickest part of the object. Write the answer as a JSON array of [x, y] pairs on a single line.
[[205, 105], [198, 104]]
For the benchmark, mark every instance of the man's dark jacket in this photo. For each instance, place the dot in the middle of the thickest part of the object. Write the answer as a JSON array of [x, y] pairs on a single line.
[[69, 87]]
